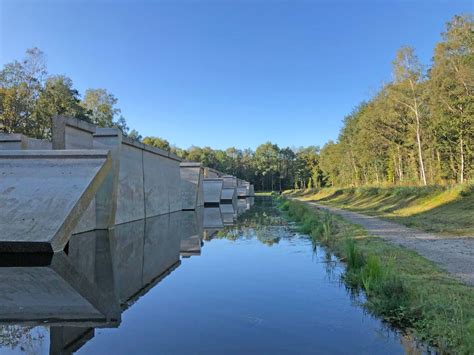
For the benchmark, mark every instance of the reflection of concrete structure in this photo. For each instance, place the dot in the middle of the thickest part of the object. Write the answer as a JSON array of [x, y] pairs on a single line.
[[192, 194], [212, 218], [229, 213], [35, 289], [191, 232], [44, 194], [143, 182]]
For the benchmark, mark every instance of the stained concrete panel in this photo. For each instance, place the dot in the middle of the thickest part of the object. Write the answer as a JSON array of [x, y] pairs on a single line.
[[212, 190], [191, 185], [130, 195], [229, 195], [72, 133], [44, 194], [173, 179], [157, 195], [229, 181], [16, 141]]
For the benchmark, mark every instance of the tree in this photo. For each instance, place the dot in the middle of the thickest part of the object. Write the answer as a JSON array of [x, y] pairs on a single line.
[[157, 142], [452, 90], [100, 107], [58, 97], [406, 91]]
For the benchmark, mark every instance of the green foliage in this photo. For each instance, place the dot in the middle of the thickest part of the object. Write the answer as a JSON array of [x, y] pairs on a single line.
[[405, 289], [29, 98]]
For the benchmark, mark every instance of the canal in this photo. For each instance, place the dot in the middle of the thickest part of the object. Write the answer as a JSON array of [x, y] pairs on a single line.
[[201, 282]]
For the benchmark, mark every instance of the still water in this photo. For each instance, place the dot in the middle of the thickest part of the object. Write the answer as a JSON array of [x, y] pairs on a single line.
[[202, 282]]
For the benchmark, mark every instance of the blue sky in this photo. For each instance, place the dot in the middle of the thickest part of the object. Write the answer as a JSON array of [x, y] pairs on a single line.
[[227, 73]]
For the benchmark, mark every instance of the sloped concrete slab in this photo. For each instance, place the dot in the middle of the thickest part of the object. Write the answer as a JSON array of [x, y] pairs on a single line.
[[212, 190], [191, 185], [43, 195]]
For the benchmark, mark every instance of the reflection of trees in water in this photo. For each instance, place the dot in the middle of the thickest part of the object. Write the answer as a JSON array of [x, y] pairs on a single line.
[[27, 339], [262, 222]]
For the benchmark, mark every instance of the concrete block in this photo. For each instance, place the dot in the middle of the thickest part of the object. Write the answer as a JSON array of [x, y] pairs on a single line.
[[191, 185], [130, 194], [251, 190], [229, 181], [15, 141], [44, 194], [212, 190], [212, 173], [72, 133], [229, 195]]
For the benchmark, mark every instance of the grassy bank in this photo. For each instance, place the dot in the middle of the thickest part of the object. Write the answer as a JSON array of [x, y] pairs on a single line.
[[445, 210], [405, 289]]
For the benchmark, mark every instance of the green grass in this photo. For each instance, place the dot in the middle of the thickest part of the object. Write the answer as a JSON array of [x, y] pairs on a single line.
[[439, 209], [407, 290]]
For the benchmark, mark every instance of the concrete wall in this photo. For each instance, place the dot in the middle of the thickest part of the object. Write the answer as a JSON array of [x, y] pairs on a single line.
[[212, 190], [147, 179], [229, 195], [192, 194], [44, 194], [16, 141]]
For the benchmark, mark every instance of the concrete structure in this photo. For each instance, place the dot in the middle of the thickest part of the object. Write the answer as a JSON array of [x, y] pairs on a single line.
[[67, 290], [212, 218], [210, 173], [229, 195], [192, 193], [212, 191], [228, 213], [191, 232], [146, 180], [44, 195], [22, 142]]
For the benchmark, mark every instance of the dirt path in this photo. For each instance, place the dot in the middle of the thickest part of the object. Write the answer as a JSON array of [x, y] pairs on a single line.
[[453, 254]]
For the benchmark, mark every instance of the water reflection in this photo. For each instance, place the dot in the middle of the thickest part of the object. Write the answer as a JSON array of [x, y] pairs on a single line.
[[98, 276], [258, 287]]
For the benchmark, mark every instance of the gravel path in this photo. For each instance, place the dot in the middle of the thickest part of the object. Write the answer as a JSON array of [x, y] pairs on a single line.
[[453, 254]]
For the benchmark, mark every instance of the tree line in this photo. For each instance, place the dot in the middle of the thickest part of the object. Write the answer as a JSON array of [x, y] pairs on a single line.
[[417, 129]]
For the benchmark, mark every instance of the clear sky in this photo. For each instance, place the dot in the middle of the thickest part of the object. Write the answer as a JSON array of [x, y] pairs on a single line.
[[227, 73]]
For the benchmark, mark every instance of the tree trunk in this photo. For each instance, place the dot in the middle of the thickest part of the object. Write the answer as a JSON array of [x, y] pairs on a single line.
[[418, 136], [461, 143]]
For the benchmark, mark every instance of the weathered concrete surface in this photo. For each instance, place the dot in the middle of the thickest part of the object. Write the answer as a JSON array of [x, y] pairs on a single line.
[[72, 133], [192, 193], [229, 181], [212, 190], [15, 141], [212, 173], [43, 195], [131, 199], [229, 195]]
